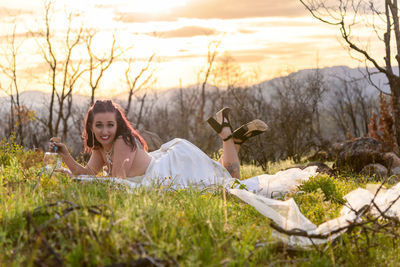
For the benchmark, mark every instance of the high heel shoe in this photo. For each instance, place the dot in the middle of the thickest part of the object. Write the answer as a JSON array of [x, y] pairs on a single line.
[[221, 121], [248, 130]]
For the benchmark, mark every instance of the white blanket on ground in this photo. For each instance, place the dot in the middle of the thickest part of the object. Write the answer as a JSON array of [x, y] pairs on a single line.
[[180, 164]]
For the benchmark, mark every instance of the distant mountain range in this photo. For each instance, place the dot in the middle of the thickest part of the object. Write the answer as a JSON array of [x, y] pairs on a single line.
[[36, 99]]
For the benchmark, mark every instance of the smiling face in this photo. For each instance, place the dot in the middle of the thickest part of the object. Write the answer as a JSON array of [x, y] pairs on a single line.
[[104, 128]]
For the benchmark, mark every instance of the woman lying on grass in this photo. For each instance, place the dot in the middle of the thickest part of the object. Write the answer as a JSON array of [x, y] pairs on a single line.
[[113, 143]]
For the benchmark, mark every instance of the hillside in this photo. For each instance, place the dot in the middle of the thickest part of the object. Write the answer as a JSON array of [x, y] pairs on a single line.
[[36, 99]]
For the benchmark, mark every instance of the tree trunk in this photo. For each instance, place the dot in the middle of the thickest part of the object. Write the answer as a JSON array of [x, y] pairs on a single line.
[[395, 88], [142, 101], [50, 118], [12, 123], [66, 118]]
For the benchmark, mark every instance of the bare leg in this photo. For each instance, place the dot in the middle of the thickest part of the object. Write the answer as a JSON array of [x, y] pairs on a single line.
[[230, 159], [237, 147]]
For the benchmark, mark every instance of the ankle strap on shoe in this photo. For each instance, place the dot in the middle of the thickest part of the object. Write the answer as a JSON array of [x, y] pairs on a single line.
[[227, 138]]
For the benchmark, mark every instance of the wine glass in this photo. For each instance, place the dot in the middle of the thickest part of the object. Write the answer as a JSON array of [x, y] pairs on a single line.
[[52, 160]]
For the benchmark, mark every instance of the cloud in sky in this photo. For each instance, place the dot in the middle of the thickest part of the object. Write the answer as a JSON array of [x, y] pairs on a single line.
[[283, 23], [22, 35], [234, 9], [290, 52], [265, 33], [246, 31], [188, 31], [220, 9], [12, 12]]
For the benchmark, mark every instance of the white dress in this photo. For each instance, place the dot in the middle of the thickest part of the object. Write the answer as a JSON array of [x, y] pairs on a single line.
[[180, 164]]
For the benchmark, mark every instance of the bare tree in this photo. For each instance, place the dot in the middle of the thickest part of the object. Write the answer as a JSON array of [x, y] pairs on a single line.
[[62, 73], [316, 86], [98, 64], [139, 82], [351, 107], [187, 108], [211, 56], [10, 71], [194, 103], [227, 72], [70, 75], [73, 77], [294, 107], [49, 56], [234, 87], [379, 17]]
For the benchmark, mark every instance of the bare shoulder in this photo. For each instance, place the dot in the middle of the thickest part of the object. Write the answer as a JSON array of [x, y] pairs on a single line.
[[96, 153], [120, 145]]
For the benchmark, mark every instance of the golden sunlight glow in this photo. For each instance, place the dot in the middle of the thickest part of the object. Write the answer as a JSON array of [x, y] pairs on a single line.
[[130, 6], [151, 6], [262, 46]]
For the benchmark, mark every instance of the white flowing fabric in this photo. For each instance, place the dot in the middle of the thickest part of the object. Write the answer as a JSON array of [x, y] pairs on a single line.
[[180, 164]]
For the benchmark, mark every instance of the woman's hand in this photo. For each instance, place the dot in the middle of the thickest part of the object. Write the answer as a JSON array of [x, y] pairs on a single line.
[[61, 148]]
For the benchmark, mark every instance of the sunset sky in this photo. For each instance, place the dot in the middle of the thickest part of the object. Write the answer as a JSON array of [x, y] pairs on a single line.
[[263, 36]]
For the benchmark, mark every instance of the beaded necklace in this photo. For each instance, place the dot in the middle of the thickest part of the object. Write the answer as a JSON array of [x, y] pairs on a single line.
[[108, 159]]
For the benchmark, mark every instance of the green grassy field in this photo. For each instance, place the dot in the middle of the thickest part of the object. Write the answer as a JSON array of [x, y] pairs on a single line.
[[56, 221]]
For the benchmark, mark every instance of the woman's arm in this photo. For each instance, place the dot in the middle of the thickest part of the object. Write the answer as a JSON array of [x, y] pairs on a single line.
[[92, 168]]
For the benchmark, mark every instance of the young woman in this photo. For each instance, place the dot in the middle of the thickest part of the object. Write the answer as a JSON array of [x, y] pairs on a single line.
[[114, 144]]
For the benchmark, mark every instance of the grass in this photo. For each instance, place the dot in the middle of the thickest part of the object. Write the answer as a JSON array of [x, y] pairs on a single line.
[[103, 224]]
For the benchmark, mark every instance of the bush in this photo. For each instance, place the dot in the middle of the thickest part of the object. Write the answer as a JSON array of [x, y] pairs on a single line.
[[9, 149], [329, 186], [314, 206], [321, 197]]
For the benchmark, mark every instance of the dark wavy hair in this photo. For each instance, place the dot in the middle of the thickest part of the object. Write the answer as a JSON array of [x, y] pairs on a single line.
[[124, 128]]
